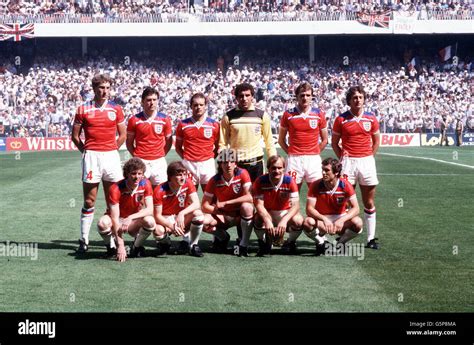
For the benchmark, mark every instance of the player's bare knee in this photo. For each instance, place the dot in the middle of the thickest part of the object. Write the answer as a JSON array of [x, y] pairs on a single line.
[[357, 224], [246, 210], [198, 218], [159, 232], [309, 224], [104, 224], [148, 222], [297, 221]]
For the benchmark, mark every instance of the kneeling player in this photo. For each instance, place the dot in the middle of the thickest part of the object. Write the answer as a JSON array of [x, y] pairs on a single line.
[[276, 199], [130, 209], [326, 207], [177, 211], [227, 202]]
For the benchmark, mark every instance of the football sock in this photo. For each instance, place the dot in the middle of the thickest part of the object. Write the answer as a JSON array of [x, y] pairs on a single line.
[[142, 235], [107, 237], [347, 236], [312, 234], [220, 234], [260, 233], [246, 225], [370, 221], [194, 232], [87, 217], [294, 234], [239, 230], [321, 239], [163, 239]]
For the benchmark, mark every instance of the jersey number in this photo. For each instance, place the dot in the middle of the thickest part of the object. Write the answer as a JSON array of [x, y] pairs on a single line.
[[293, 174], [89, 175]]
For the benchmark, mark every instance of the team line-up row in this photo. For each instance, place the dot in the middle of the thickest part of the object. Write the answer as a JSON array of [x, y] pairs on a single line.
[[235, 141]]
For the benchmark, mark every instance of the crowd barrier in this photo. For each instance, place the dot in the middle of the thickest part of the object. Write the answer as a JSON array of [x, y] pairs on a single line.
[[386, 140]]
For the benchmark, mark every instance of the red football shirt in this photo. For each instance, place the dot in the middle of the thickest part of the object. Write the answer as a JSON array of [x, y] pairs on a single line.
[[356, 133], [99, 125], [199, 139], [303, 130], [150, 134], [173, 202], [129, 202], [230, 190], [275, 198], [331, 201]]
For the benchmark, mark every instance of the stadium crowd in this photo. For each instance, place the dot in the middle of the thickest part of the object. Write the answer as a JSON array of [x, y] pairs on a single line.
[[209, 10], [42, 102]]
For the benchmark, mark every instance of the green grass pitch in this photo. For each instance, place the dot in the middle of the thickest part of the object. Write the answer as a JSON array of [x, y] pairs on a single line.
[[424, 223]]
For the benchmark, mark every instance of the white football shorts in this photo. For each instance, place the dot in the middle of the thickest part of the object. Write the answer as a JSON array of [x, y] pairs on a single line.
[[304, 167], [101, 166], [201, 172], [360, 170], [156, 170]]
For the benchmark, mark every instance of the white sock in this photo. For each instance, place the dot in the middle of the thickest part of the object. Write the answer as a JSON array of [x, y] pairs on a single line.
[[107, 237], [186, 237], [246, 225], [87, 217], [194, 232], [260, 233], [142, 236], [321, 239], [294, 234], [370, 221], [348, 235]]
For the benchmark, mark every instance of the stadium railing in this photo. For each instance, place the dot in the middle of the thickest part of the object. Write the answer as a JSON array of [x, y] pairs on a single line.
[[183, 17]]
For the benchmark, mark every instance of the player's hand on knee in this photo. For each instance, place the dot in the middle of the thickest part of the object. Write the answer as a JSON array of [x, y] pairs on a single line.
[[125, 224], [338, 226], [177, 230], [281, 228]]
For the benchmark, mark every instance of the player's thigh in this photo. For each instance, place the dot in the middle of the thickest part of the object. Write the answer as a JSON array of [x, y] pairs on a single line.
[[312, 168], [135, 226], [111, 169], [354, 224], [207, 169], [277, 216], [349, 169], [192, 169], [295, 168], [367, 172], [158, 169], [91, 169]]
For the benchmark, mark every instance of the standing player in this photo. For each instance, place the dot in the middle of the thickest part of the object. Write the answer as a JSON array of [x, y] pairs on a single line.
[[149, 136], [197, 139], [304, 126], [227, 202], [326, 207], [277, 202], [359, 132], [177, 211], [100, 119], [130, 209], [242, 129]]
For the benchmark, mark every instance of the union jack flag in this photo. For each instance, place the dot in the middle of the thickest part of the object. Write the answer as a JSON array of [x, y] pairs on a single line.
[[380, 20], [16, 31]]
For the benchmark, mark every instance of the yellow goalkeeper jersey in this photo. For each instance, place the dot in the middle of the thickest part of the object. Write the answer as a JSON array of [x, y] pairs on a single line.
[[243, 130]]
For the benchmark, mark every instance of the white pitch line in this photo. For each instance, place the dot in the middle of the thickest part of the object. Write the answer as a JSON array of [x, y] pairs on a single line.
[[428, 159], [387, 174]]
